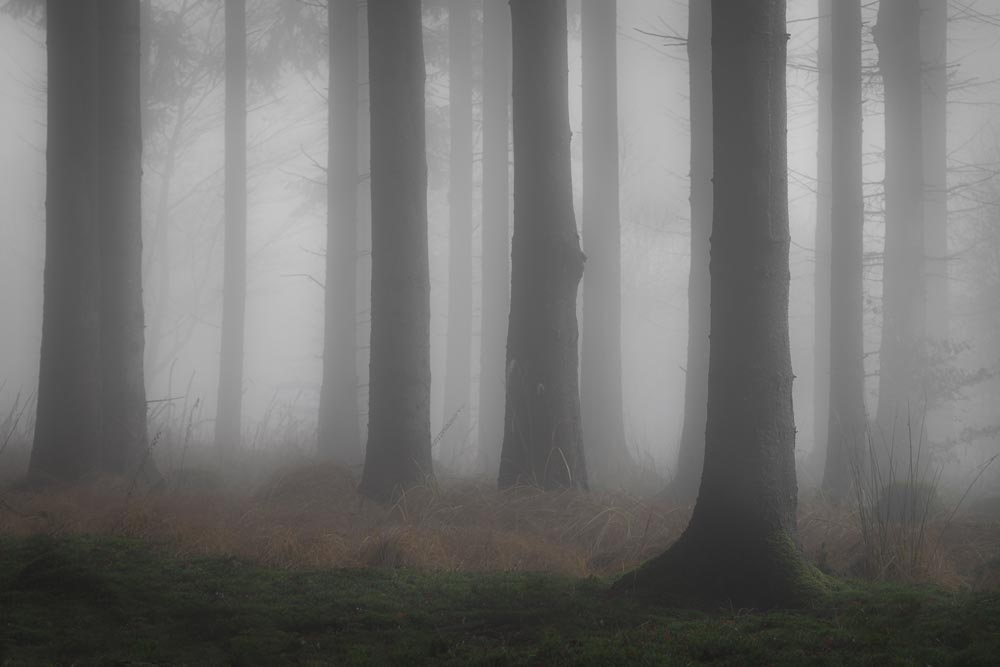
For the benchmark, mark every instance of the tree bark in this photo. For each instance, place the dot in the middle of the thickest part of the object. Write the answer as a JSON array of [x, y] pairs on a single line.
[[496, 229], [399, 440], [901, 397], [601, 361], [68, 428], [542, 442], [228, 417], [740, 547], [824, 222], [119, 198], [847, 419], [458, 371], [339, 428], [691, 454]]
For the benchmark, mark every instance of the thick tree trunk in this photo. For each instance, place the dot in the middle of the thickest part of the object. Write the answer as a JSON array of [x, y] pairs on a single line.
[[458, 371], [740, 547], [68, 426], [496, 229], [608, 457], [934, 61], [901, 399], [399, 439], [339, 428], [824, 204], [119, 188], [691, 454], [847, 420], [542, 442], [228, 417]]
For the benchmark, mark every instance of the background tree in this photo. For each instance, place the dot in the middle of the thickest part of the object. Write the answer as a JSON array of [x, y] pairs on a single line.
[[824, 221], [234, 285], [339, 429], [542, 441], [496, 229], [740, 547], [458, 373], [847, 419], [601, 360], [399, 439], [691, 454], [902, 357]]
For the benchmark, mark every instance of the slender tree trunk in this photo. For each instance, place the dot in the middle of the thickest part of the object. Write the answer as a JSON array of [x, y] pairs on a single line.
[[542, 442], [847, 421], [228, 418], [601, 360], [934, 60], [119, 192], [824, 203], [68, 428], [691, 454], [496, 229], [901, 399], [399, 439], [339, 429], [740, 546], [458, 372]]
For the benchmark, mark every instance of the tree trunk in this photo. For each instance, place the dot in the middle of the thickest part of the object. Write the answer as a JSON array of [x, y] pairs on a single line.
[[822, 262], [119, 199], [339, 429], [901, 395], [601, 360], [691, 454], [740, 547], [399, 439], [847, 420], [234, 284], [496, 229], [458, 372], [542, 442], [68, 425]]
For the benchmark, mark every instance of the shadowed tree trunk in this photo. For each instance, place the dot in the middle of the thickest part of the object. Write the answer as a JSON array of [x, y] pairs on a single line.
[[740, 547], [234, 283], [542, 442], [68, 424], [119, 190], [496, 229], [691, 454], [847, 420], [339, 429], [458, 372], [822, 262], [608, 457], [901, 399], [399, 438]]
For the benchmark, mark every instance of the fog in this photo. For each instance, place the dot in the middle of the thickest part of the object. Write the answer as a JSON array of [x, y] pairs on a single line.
[[182, 225]]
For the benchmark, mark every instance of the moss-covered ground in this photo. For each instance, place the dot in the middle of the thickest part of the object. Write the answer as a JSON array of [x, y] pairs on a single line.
[[88, 600]]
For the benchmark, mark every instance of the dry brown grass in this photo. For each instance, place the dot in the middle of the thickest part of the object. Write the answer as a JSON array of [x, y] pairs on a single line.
[[310, 516]]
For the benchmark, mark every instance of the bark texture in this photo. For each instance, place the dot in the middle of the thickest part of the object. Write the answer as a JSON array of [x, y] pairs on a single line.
[[691, 454], [399, 439], [610, 462], [228, 417], [339, 428], [740, 547], [458, 362], [542, 442], [901, 397], [847, 420], [496, 230]]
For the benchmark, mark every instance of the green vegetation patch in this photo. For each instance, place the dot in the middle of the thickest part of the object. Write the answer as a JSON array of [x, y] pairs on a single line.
[[105, 601]]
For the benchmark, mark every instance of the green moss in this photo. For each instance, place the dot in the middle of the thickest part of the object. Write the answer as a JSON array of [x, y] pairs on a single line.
[[99, 601]]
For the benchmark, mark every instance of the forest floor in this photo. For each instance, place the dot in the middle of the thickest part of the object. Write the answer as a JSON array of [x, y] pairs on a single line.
[[104, 600], [286, 564]]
